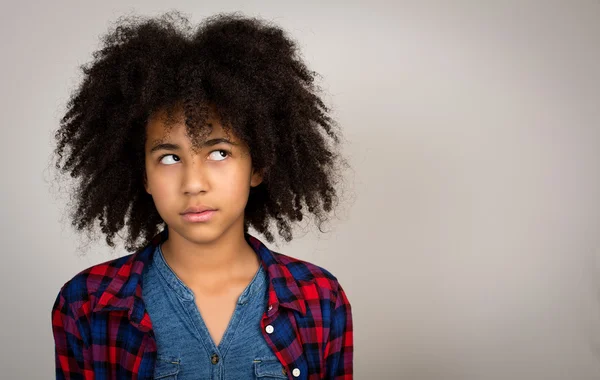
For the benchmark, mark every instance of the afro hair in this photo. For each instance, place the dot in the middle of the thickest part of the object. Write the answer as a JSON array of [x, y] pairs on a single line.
[[248, 69]]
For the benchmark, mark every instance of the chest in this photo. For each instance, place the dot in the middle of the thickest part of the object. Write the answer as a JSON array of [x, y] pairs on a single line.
[[142, 341], [216, 309]]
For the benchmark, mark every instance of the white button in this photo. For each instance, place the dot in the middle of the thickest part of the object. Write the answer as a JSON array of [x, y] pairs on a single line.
[[269, 329], [296, 372], [270, 307]]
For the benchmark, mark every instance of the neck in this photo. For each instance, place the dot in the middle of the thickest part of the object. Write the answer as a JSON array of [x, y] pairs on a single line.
[[225, 258]]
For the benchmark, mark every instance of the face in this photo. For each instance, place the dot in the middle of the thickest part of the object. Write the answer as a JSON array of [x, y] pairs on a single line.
[[218, 176]]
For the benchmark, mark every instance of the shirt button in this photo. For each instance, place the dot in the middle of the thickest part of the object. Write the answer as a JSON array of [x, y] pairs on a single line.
[[270, 307], [296, 372], [269, 329], [214, 359]]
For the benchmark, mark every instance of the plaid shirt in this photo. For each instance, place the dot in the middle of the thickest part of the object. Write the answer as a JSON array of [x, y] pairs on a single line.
[[102, 329]]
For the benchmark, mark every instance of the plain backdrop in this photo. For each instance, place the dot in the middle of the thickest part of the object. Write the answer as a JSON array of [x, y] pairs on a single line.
[[469, 245]]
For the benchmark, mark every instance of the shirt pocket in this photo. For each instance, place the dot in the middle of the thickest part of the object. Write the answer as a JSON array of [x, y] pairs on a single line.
[[269, 368], [166, 367]]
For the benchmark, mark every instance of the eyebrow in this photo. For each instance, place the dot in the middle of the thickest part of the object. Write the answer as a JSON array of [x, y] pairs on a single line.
[[171, 146]]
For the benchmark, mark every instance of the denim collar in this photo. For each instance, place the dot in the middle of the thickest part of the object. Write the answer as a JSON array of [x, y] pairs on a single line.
[[124, 291]]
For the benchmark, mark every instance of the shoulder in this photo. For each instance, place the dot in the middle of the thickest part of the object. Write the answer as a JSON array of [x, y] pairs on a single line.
[[87, 286], [312, 276]]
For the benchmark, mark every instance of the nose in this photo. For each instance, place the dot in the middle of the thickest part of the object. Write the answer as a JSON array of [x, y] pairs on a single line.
[[195, 177]]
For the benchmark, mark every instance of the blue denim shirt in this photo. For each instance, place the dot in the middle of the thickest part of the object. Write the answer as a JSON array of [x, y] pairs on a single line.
[[185, 348], [102, 328]]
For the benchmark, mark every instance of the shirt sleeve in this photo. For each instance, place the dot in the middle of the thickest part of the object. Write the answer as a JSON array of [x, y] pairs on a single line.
[[339, 349], [72, 356]]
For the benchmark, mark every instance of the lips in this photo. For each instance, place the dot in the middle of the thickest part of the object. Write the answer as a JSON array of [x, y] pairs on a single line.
[[198, 213], [195, 217], [197, 209]]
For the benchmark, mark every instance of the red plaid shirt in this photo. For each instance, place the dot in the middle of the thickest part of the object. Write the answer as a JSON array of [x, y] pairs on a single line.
[[102, 330]]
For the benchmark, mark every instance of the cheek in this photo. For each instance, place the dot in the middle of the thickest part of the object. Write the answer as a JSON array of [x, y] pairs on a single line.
[[161, 185], [165, 197], [233, 186]]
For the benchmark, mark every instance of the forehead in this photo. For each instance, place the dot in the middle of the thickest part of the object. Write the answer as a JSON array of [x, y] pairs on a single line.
[[165, 125]]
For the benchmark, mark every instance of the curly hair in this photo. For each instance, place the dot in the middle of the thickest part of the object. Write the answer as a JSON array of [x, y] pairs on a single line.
[[248, 69]]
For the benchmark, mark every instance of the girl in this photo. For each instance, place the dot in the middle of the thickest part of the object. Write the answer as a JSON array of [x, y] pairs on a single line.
[[188, 138]]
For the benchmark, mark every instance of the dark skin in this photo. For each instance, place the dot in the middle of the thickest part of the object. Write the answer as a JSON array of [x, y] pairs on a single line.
[[212, 258], [252, 73]]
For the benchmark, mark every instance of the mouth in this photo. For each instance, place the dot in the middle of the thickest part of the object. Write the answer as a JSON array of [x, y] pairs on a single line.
[[196, 217], [197, 209]]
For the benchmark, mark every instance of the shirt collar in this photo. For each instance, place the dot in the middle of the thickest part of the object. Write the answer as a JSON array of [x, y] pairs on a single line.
[[124, 291]]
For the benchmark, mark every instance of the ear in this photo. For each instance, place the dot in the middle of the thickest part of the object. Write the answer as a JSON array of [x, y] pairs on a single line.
[[257, 177], [146, 184]]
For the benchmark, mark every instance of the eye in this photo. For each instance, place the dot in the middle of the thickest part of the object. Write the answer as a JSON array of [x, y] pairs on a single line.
[[168, 155], [218, 155]]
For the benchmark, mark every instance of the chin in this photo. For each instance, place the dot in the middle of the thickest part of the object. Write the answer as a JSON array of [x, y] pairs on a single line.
[[199, 233]]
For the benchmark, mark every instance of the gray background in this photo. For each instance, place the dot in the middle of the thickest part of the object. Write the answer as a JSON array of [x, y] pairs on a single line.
[[469, 244]]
